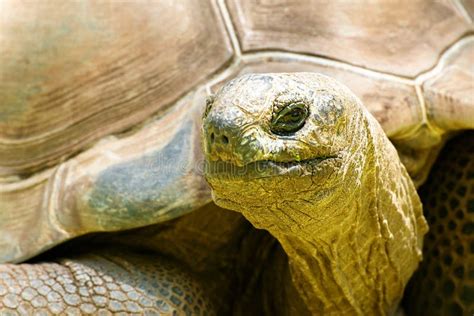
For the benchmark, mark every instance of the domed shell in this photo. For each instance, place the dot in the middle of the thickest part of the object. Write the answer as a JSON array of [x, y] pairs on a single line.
[[100, 103]]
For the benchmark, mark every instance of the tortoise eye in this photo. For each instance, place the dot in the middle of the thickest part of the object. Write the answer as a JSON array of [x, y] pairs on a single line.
[[290, 119]]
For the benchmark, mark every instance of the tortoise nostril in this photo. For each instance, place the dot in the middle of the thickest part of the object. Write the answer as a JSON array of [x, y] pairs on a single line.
[[216, 138]]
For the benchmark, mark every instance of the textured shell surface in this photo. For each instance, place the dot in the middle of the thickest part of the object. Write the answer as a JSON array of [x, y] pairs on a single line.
[[101, 103]]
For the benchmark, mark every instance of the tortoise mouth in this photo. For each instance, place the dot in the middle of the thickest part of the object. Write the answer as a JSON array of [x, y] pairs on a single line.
[[222, 169]]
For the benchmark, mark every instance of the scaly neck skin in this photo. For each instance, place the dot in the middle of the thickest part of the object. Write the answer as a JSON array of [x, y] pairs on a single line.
[[359, 261]]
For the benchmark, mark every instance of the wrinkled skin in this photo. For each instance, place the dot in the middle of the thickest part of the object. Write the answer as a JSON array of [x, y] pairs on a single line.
[[324, 181]]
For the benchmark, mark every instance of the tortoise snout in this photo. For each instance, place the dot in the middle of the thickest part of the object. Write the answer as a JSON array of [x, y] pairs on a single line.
[[220, 139], [230, 135]]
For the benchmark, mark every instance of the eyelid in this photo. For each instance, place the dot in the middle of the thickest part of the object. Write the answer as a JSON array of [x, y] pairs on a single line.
[[278, 106], [289, 107]]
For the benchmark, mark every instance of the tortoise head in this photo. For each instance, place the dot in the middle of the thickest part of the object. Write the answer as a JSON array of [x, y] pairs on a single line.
[[279, 141]]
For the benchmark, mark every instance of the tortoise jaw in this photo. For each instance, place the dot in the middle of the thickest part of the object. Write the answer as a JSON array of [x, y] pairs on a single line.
[[221, 169]]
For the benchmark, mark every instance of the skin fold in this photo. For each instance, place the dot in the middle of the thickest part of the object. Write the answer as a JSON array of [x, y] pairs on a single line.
[[332, 190]]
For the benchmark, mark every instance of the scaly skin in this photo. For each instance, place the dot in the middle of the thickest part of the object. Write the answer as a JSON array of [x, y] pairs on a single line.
[[105, 283], [331, 190], [444, 284]]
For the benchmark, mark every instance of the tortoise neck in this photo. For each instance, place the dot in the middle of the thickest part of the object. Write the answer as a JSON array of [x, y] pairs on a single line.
[[346, 268], [361, 262]]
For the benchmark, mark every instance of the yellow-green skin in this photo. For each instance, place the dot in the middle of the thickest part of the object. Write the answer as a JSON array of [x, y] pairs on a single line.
[[334, 193]]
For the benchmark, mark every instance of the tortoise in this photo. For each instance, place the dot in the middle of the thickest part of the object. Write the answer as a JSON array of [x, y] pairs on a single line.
[[101, 128]]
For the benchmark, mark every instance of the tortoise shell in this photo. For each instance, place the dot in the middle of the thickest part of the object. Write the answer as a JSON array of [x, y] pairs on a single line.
[[101, 103]]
